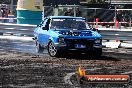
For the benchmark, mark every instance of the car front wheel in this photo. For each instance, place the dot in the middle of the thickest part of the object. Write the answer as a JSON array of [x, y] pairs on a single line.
[[53, 52]]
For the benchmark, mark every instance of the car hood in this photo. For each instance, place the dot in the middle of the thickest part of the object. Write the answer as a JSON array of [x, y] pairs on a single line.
[[83, 33]]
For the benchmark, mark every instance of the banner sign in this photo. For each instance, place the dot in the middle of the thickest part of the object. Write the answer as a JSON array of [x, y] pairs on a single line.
[[33, 5]]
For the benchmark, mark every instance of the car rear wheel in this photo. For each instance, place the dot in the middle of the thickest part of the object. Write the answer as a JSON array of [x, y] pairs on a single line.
[[53, 52], [39, 49]]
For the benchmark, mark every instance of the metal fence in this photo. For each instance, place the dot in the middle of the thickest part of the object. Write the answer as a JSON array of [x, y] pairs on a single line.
[[107, 33], [121, 35], [108, 18], [114, 18]]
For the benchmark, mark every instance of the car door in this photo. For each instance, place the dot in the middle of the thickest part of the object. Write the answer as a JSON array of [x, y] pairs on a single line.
[[43, 36], [37, 30]]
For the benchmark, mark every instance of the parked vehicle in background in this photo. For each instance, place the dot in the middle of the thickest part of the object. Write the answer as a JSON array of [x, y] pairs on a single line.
[[61, 34]]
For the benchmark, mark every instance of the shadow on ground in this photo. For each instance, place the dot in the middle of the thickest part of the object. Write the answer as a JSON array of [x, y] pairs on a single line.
[[90, 57]]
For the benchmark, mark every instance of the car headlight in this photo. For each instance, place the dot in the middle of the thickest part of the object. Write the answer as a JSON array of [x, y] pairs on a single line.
[[98, 41], [61, 40]]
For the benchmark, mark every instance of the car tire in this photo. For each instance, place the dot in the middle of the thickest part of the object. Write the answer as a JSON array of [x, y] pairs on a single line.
[[94, 54], [53, 52], [39, 49], [98, 52]]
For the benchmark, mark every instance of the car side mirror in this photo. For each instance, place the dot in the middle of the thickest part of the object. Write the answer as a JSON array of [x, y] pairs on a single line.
[[43, 28], [94, 29]]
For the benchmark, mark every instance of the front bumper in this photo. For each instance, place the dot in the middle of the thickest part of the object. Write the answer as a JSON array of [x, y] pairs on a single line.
[[72, 48]]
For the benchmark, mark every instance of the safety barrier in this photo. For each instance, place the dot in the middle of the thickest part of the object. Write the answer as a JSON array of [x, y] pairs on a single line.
[[107, 33], [111, 24], [8, 29], [116, 34], [114, 30], [8, 20]]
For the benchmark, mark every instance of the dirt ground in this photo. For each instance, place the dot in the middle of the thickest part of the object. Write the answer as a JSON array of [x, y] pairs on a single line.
[[25, 70]]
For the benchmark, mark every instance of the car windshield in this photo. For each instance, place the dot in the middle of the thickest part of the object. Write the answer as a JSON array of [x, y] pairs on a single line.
[[75, 24]]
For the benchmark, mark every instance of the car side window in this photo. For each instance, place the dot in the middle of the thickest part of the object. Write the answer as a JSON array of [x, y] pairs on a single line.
[[46, 24]]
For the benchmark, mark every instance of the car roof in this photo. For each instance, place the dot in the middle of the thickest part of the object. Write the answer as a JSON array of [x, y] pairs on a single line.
[[68, 17]]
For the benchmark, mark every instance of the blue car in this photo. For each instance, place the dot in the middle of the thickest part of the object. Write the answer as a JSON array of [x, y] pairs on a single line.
[[61, 34]]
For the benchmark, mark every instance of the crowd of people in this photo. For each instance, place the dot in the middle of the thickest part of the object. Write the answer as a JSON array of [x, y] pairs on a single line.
[[4, 12]]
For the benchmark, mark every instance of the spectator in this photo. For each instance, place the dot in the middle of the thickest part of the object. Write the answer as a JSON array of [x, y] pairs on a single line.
[[68, 12], [78, 12], [4, 12], [119, 16]]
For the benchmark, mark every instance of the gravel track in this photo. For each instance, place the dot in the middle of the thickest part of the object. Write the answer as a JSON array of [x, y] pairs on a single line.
[[30, 70]]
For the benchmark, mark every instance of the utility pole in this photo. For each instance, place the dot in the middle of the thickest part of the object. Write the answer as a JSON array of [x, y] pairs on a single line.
[[11, 7], [56, 9], [74, 10]]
